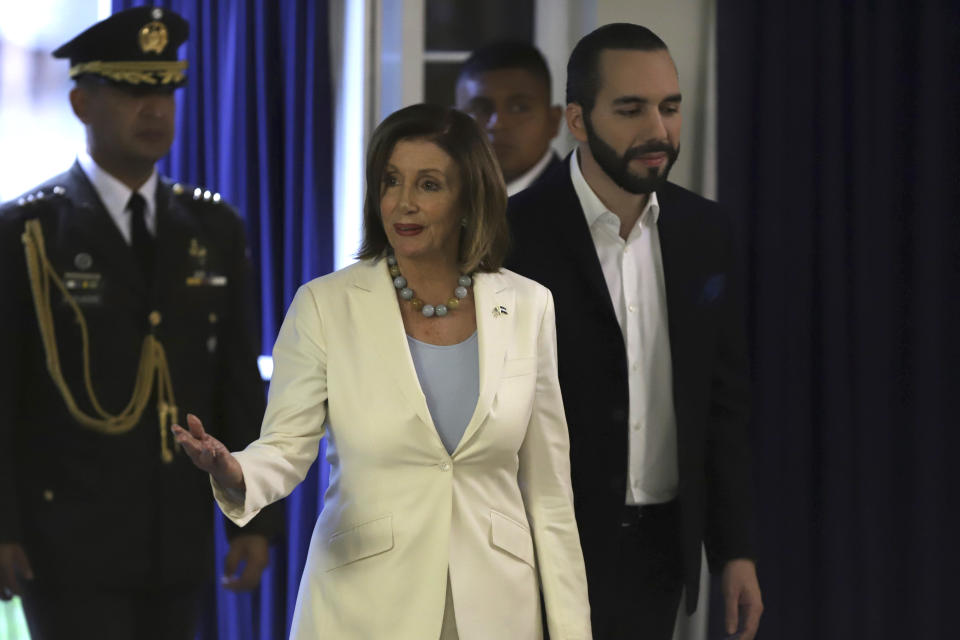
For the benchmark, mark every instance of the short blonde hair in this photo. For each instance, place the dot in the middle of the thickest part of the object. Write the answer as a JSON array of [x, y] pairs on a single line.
[[485, 239]]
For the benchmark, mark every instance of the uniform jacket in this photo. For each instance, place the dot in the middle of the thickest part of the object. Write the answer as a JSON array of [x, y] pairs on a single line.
[[552, 245], [95, 508], [399, 510]]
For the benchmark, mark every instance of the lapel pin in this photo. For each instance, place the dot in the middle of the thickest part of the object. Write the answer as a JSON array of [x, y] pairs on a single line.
[[499, 310]]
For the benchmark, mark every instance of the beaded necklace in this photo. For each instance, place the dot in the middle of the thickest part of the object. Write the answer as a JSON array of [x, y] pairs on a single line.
[[428, 310]]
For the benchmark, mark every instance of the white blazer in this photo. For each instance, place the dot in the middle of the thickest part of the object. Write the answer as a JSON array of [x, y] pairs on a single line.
[[400, 512]]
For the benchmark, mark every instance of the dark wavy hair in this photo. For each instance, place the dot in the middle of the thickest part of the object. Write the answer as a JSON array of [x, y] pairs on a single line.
[[485, 239]]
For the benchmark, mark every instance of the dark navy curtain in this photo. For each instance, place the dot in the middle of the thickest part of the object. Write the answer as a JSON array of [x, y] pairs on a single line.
[[254, 123], [838, 149]]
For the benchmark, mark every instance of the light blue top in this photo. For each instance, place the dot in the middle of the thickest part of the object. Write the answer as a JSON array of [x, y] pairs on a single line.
[[450, 378]]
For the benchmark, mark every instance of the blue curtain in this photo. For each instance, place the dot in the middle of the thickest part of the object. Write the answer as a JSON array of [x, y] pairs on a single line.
[[254, 123], [838, 139]]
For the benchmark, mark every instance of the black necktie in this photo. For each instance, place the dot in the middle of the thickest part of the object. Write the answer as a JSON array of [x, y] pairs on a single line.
[[140, 239]]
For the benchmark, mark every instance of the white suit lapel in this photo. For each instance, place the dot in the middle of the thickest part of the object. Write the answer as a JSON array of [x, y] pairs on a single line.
[[495, 309], [374, 292]]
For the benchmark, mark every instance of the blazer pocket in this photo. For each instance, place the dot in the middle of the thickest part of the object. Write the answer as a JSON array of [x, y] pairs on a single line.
[[519, 367], [509, 535], [359, 542]]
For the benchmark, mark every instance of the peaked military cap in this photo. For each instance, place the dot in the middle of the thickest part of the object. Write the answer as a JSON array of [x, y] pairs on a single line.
[[132, 47]]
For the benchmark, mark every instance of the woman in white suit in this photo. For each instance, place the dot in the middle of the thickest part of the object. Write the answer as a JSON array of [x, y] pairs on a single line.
[[432, 372]]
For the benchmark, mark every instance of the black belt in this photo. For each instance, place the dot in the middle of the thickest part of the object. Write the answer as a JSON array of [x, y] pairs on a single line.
[[633, 513]]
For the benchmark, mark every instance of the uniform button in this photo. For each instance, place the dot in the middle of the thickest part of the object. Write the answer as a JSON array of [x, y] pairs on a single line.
[[632, 308], [635, 426], [635, 367], [444, 466], [48, 495], [213, 318]]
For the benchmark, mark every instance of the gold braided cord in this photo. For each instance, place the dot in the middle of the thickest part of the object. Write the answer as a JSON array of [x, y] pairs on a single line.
[[153, 360], [135, 72]]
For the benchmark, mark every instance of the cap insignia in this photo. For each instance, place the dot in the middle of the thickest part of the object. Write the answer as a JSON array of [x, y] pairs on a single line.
[[153, 37]]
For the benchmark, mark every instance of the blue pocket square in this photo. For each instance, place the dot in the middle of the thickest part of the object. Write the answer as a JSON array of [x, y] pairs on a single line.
[[712, 288]]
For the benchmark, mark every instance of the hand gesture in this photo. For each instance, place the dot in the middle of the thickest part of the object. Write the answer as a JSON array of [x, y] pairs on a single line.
[[209, 454], [13, 566]]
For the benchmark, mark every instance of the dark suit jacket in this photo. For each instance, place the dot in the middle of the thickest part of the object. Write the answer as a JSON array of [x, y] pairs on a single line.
[[552, 245], [551, 165], [105, 509]]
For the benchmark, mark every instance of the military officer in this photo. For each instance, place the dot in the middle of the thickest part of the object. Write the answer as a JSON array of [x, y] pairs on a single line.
[[124, 300]]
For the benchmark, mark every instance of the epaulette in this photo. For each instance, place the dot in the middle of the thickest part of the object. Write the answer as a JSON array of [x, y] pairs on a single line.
[[197, 194], [39, 196], [33, 203]]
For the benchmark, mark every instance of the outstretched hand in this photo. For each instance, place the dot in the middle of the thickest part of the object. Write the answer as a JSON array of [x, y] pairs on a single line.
[[209, 454]]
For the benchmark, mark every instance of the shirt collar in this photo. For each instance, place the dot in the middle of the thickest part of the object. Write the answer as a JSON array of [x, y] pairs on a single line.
[[115, 195], [593, 207], [524, 181]]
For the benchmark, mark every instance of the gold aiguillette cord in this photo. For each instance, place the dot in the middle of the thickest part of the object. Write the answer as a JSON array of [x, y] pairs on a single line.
[[153, 359]]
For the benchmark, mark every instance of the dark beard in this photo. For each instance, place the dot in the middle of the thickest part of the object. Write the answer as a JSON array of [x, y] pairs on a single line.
[[618, 167]]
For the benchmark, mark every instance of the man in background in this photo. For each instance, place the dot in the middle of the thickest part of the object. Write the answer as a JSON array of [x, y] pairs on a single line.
[[651, 349], [125, 305], [506, 88]]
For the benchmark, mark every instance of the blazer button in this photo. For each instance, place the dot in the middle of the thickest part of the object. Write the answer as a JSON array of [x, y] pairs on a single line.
[[444, 466], [48, 495]]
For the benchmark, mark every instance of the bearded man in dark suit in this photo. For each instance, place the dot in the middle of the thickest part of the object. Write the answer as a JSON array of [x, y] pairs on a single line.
[[652, 353], [124, 295]]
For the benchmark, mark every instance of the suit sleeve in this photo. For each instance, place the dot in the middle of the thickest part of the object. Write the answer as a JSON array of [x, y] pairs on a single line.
[[14, 293], [241, 394], [544, 478], [289, 440], [729, 526]]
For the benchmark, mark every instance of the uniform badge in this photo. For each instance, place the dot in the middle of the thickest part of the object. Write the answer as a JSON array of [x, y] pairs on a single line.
[[153, 37], [83, 261], [201, 277], [86, 288], [198, 252]]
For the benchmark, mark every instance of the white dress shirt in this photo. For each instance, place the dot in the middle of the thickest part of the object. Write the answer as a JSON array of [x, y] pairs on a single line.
[[524, 181], [115, 195], [633, 270]]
